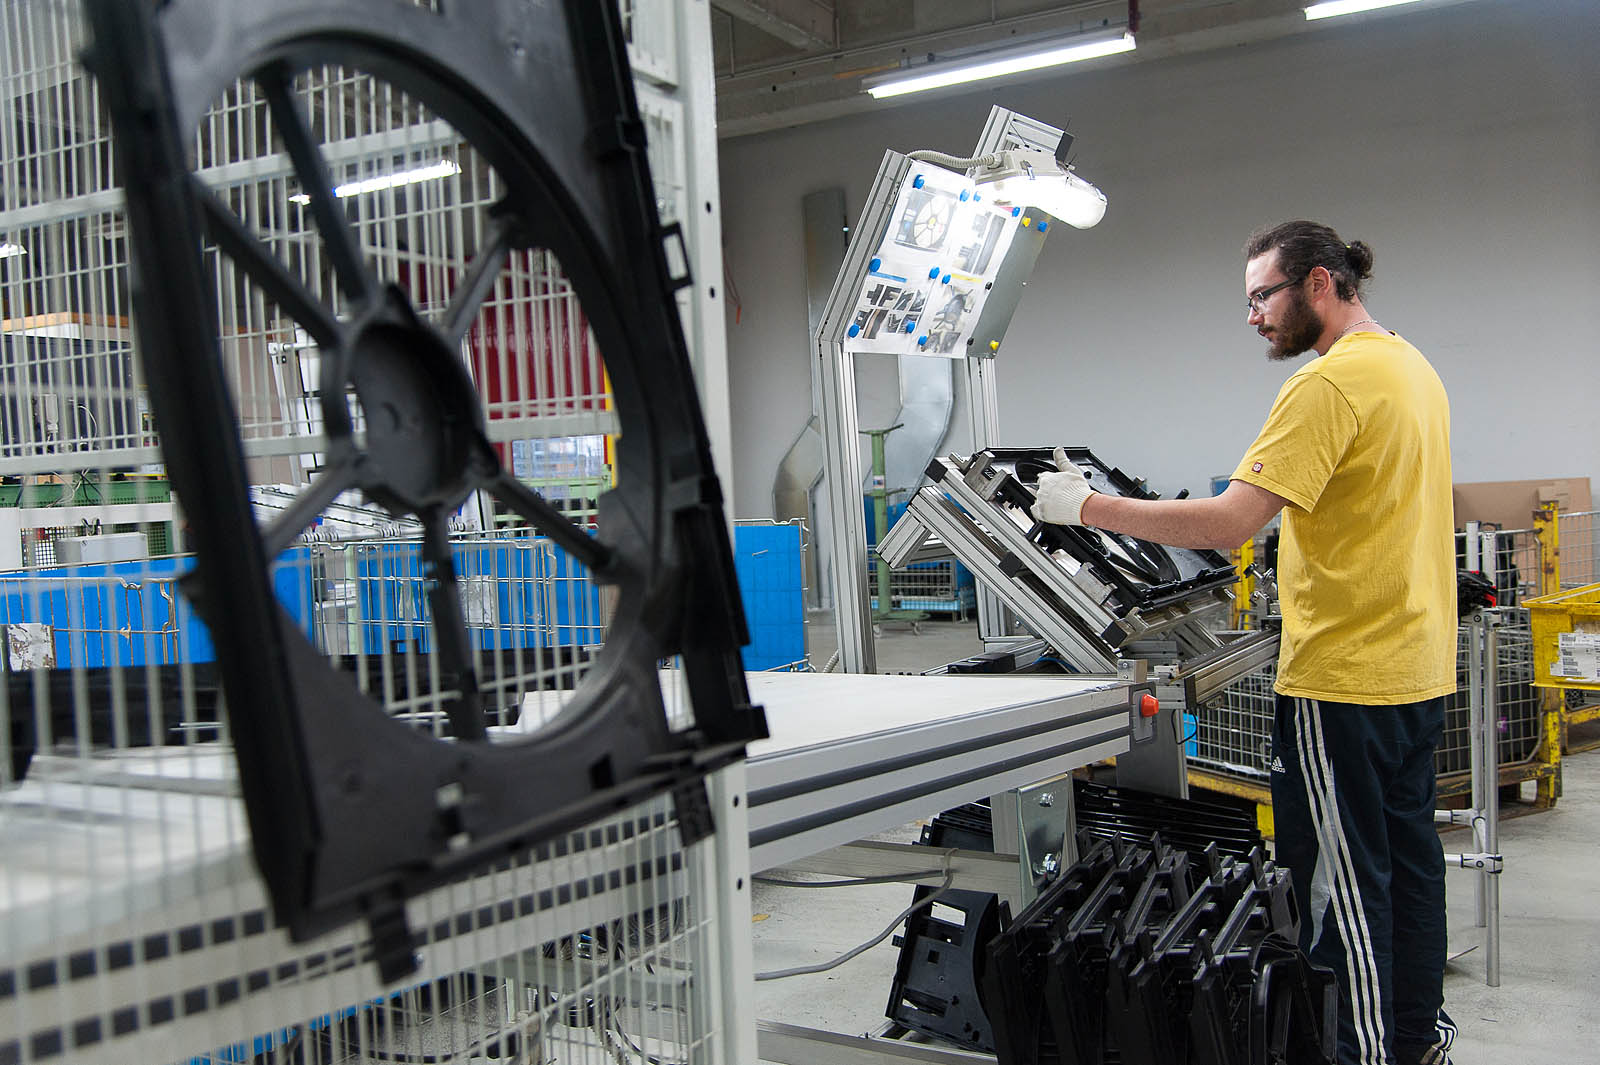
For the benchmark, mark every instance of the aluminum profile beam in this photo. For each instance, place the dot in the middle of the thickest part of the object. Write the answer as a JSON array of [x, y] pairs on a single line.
[[1024, 593], [1004, 129], [1205, 678], [842, 473]]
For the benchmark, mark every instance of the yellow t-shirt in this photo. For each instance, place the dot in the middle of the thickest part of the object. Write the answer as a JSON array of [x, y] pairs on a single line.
[[1358, 442]]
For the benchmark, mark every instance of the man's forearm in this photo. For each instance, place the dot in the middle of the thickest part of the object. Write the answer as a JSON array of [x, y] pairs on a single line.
[[1178, 522], [1218, 522]]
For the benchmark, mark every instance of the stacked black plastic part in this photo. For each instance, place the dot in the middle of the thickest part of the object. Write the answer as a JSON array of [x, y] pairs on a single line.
[[935, 989], [1139, 956]]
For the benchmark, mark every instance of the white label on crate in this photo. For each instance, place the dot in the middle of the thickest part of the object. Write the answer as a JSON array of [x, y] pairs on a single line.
[[1578, 656]]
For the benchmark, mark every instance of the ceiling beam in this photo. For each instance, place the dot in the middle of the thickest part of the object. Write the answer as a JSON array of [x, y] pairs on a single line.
[[804, 24]]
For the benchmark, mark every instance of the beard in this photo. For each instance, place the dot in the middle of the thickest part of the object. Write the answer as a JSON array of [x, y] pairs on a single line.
[[1297, 332]]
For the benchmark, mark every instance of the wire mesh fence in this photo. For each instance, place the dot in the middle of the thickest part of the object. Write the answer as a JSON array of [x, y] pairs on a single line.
[[1511, 558], [1233, 737], [1578, 535], [942, 586], [131, 914]]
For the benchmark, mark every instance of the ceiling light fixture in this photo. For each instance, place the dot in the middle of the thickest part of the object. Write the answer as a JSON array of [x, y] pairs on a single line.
[[8, 250], [1035, 58], [443, 168], [1350, 7]]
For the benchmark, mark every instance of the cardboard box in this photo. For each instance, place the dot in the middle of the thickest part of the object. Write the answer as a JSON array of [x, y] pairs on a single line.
[[1510, 504]]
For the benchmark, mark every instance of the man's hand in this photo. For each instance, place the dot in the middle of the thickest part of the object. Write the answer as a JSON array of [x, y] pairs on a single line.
[[1060, 497]]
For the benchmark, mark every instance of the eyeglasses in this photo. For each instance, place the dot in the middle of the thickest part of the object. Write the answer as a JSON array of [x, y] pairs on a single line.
[[1258, 299]]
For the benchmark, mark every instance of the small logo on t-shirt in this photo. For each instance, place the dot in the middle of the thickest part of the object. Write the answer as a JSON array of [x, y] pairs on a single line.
[[1278, 766], [1256, 468]]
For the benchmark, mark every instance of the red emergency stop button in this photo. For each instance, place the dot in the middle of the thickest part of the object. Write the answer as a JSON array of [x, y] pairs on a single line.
[[1149, 705]]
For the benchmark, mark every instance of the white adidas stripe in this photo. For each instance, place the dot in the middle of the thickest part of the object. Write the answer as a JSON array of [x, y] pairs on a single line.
[[1327, 845], [1350, 916], [1365, 955]]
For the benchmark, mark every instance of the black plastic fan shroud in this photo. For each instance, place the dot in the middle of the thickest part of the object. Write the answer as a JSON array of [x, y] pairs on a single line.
[[351, 812]]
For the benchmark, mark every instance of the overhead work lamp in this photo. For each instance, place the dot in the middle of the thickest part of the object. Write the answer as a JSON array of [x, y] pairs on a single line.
[[1026, 177], [1033, 178]]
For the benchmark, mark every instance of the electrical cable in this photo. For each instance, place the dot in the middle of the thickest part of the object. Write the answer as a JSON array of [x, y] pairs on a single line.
[[616, 1026], [1177, 727], [822, 967], [955, 162], [855, 881]]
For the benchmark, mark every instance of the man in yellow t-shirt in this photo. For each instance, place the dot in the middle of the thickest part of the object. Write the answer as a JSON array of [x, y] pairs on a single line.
[[1356, 455]]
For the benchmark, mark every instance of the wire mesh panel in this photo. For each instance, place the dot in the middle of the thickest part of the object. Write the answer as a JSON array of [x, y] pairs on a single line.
[[1234, 735], [1511, 558], [1578, 535], [133, 922], [942, 586]]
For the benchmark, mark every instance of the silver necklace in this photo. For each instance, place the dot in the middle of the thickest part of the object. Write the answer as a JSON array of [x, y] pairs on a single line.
[[1351, 328]]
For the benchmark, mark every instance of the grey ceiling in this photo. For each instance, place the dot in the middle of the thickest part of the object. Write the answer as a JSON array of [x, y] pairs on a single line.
[[786, 62]]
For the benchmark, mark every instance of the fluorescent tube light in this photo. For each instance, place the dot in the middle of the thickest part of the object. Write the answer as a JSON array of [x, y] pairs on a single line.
[[441, 169], [1350, 7], [9, 250], [996, 68]]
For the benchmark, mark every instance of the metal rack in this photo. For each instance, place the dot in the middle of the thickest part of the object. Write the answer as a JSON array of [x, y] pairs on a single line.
[[1232, 738], [134, 924], [1577, 565], [1579, 538], [1228, 741], [937, 587]]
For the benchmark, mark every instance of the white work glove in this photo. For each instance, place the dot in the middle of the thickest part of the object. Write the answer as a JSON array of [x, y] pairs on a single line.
[[1060, 497]]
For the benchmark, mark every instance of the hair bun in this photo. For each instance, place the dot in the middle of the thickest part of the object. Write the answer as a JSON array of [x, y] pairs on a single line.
[[1359, 255]]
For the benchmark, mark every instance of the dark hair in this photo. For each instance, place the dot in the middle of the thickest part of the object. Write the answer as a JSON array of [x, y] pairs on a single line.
[[1303, 246]]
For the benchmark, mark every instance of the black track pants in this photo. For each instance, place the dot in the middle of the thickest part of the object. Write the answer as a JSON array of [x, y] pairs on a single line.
[[1353, 800]]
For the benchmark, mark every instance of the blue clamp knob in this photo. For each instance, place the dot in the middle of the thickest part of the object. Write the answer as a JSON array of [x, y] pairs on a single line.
[[933, 273], [964, 195], [945, 280], [911, 326], [977, 197], [1043, 226], [1015, 211], [916, 182], [874, 264], [922, 340], [855, 329]]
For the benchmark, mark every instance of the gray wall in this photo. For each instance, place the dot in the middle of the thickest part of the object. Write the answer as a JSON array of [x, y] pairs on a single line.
[[1463, 144]]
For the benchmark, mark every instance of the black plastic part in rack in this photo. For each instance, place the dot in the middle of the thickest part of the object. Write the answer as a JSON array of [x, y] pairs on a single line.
[[1193, 825], [936, 981], [1138, 956], [1142, 575], [352, 812]]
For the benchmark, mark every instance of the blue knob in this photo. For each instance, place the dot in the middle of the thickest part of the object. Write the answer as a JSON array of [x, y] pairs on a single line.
[[1043, 226], [922, 340], [916, 182], [933, 273], [946, 280], [1015, 211], [911, 326], [977, 197], [855, 329], [874, 264], [964, 195]]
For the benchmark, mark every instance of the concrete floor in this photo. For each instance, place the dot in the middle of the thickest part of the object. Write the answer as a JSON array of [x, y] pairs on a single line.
[[1550, 918]]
